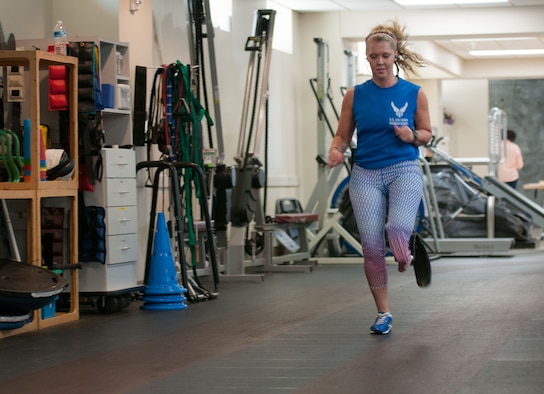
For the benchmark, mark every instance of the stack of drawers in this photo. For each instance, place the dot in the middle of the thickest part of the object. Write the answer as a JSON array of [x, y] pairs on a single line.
[[117, 194]]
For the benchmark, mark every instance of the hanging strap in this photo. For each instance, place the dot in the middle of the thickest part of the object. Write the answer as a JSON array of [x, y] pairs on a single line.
[[140, 88], [169, 120], [154, 122]]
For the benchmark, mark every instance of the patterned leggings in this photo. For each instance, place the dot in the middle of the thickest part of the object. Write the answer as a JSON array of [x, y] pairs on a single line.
[[385, 201]]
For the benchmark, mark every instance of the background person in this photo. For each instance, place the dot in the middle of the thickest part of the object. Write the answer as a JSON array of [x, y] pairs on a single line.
[[513, 162], [391, 116]]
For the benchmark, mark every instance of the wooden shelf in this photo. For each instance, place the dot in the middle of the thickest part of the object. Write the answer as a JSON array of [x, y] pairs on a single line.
[[35, 59], [43, 187], [37, 191]]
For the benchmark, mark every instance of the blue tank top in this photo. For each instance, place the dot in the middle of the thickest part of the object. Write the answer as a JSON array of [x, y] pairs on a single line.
[[375, 111]]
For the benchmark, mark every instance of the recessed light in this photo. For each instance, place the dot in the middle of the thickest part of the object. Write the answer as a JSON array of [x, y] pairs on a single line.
[[492, 39], [446, 2], [507, 52]]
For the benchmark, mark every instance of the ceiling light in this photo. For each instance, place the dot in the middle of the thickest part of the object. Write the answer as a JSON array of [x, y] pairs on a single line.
[[491, 39], [446, 2], [508, 52]]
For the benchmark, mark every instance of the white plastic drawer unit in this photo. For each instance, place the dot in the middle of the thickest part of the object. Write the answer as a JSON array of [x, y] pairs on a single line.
[[121, 220], [100, 277], [121, 248], [112, 192], [120, 192], [118, 163]]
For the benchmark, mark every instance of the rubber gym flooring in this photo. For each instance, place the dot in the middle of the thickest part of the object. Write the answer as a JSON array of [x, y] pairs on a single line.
[[479, 328]]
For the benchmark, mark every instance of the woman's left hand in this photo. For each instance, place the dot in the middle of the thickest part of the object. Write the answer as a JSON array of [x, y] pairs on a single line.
[[404, 133]]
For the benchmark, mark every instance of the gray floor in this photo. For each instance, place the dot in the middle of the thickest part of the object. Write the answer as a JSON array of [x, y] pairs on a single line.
[[479, 328]]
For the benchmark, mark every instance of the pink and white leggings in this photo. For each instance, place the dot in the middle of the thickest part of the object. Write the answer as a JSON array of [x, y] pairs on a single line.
[[385, 201]]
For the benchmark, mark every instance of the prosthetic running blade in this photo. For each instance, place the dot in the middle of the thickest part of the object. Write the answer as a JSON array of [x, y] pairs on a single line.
[[421, 262]]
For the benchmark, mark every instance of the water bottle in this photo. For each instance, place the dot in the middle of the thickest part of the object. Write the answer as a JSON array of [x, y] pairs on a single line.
[[60, 38]]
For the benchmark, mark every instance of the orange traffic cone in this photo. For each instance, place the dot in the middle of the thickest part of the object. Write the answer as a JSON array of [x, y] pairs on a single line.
[[163, 291]]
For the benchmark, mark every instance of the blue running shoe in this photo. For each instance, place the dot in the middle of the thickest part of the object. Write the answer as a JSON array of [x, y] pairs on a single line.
[[383, 324]]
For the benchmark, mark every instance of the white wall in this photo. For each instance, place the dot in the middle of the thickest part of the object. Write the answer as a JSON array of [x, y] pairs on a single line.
[[28, 19], [232, 60], [468, 101], [136, 28], [327, 27], [487, 22], [85, 18]]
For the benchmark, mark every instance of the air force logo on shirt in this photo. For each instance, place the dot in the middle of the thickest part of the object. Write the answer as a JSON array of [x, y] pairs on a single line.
[[399, 118]]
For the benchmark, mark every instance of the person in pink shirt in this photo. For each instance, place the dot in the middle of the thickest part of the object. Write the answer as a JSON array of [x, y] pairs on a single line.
[[513, 161]]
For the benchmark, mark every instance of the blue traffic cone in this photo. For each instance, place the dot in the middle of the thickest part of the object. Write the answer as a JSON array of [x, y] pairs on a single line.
[[163, 291]]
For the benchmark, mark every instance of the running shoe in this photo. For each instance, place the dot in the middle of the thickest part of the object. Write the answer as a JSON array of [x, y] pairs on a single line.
[[383, 324]]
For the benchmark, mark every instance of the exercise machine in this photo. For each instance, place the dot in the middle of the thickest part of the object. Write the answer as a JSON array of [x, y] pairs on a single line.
[[495, 193], [251, 233], [196, 291], [250, 176], [330, 218], [220, 177]]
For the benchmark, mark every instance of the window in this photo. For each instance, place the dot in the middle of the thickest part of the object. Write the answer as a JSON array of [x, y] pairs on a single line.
[[282, 39], [221, 13], [362, 64]]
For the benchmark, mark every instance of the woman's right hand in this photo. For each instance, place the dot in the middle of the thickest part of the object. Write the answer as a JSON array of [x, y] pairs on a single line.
[[336, 157]]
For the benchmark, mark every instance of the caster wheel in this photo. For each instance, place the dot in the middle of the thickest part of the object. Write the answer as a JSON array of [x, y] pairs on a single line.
[[125, 300], [108, 305]]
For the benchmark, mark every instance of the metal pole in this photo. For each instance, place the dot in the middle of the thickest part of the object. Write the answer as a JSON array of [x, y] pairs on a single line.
[[497, 123], [215, 84], [352, 69], [267, 19], [322, 172], [190, 35]]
